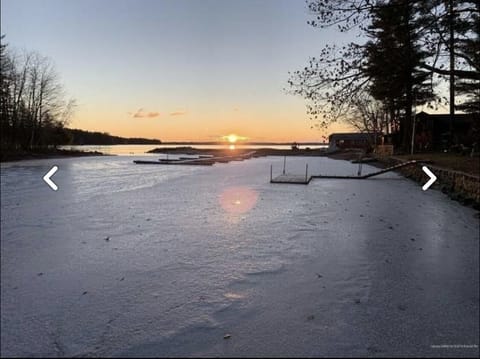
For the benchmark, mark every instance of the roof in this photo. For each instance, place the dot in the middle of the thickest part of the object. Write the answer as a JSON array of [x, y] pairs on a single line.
[[445, 117], [351, 136]]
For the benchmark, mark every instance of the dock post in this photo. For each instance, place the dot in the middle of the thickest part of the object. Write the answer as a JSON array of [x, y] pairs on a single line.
[[284, 163], [306, 172], [359, 169], [271, 173]]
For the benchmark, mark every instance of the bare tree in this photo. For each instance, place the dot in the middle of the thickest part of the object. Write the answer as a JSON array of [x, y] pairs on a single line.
[[368, 115], [33, 100]]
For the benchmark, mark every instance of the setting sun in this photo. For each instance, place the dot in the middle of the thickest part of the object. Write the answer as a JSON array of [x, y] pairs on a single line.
[[232, 138]]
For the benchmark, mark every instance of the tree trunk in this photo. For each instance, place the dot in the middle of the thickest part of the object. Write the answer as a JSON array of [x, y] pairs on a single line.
[[407, 120], [452, 67]]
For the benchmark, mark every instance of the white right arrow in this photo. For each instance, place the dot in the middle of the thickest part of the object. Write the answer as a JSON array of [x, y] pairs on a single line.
[[432, 179]]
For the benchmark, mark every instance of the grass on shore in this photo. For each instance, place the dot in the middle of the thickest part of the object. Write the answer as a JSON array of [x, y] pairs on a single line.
[[449, 160]]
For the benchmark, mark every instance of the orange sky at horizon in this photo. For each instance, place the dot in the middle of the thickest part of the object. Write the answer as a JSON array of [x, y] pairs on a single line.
[[182, 124], [207, 122], [179, 70], [168, 132]]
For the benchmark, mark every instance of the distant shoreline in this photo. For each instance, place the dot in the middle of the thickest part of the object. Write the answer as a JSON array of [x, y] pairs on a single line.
[[13, 156], [243, 144], [259, 152], [239, 144]]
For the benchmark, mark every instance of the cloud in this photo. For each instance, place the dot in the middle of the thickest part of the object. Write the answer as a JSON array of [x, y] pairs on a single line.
[[178, 113], [141, 114]]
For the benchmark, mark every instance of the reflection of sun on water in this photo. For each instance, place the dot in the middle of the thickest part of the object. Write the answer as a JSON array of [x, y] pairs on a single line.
[[231, 295], [232, 147]]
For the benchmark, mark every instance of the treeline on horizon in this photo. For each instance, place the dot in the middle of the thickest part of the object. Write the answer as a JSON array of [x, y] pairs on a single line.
[[34, 110], [407, 50], [81, 137]]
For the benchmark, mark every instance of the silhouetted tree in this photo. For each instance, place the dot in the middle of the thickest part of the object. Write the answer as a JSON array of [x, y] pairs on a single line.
[[468, 51], [369, 115], [32, 100], [398, 65], [393, 63]]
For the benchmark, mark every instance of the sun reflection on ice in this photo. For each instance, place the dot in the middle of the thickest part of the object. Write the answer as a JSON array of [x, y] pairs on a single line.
[[238, 200]]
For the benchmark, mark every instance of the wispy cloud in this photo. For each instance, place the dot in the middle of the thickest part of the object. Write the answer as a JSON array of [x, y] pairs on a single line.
[[178, 113], [142, 114]]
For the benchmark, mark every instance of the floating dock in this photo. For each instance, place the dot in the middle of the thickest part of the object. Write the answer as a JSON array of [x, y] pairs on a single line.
[[174, 162], [292, 179], [201, 161], [300, 179]]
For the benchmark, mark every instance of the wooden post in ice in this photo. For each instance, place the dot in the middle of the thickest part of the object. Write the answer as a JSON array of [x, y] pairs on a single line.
[[359, 169], [359, 173], [284, 163], [271, 173], [306, 172]]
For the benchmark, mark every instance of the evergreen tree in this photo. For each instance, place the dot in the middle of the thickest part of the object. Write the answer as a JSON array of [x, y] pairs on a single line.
[[412, 45], [468, 50], [393, 56]]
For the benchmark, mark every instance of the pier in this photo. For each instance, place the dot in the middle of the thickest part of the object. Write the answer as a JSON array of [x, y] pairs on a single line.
[[305, 179], [200, 161]]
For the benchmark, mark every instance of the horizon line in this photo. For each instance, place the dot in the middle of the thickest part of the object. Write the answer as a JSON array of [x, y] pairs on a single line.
[[240, 143]]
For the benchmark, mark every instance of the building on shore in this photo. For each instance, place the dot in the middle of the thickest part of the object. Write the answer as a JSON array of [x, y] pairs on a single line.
[[432, 131], [357, 140]]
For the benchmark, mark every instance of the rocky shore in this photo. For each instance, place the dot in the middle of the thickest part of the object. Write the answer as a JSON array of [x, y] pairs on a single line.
[[459, 186]]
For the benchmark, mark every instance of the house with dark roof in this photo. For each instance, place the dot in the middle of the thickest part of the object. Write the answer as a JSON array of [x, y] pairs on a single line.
[[432, 131]]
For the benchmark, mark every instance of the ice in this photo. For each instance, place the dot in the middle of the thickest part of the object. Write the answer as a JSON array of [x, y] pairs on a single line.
[[194, 253]]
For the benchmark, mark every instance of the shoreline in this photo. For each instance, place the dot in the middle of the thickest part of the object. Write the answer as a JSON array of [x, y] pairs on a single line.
[[14, 156], [259, 152], [459, 186], [448, 184]]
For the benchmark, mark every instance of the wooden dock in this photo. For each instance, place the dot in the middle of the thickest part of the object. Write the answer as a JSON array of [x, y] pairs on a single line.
[[175, 162], [291, 179], [392, 168], [304, 179], [201, 161]]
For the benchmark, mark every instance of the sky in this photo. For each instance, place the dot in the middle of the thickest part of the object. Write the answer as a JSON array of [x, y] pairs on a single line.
[[177, 70]]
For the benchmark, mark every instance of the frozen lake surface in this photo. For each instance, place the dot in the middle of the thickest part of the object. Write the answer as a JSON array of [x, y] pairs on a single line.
[[127, 260]]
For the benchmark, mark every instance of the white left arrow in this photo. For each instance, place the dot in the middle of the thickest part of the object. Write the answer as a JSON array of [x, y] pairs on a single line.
[[47, 179], [432, 179]]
